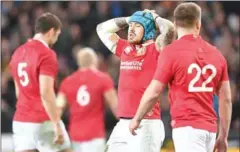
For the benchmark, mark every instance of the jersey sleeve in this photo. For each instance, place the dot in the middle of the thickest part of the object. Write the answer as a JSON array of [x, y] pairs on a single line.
[[164, 72], [120, 46], [224, 76], [107, 83], [48, 65]]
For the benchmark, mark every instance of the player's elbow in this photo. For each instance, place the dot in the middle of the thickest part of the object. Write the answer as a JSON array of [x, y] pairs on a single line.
[[155, 96], [46, 93], [226, 100], [171, 35], [43, 95], [99, 29]]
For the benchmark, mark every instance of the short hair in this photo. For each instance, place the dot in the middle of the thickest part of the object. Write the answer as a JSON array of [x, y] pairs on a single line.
[[187, 14], [86, 56], [47, 21]]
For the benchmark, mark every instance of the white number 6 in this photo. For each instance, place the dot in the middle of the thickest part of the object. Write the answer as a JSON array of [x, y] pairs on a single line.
[[22, 73], [200, 71], [83, 96]]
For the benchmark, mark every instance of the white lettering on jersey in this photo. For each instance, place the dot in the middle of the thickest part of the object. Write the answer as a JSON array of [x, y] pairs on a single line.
[[131, 65]]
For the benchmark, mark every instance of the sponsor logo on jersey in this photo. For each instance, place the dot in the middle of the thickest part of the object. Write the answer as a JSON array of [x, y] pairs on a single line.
[[131, 65]]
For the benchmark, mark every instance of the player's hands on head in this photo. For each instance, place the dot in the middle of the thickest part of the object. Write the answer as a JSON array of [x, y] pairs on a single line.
[[221, 145], [150, 11], [58, 132], [154, 14], [133, 126]]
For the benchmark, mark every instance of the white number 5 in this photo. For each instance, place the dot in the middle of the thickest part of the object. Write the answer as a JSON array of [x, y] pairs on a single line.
[[22, 73], [83, 96], [200, 71]]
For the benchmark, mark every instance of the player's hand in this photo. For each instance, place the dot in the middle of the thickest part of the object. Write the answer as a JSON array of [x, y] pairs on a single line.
[[59, 137], [221, 145], [150, 11], [134, 125], [154, 14]]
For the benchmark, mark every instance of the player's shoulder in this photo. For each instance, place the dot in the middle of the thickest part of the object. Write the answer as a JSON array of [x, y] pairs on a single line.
[[48, 52], [123, 43], [120, 40], [215, 51], [17, 52], [102, 75], [40, 48], [210, 46], [150, 46], [171, 49], [67, 79]]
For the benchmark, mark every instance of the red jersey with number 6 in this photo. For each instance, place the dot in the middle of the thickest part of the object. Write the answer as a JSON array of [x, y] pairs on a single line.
[[194, 69], [84, 91], [27, 63], [138, 64]]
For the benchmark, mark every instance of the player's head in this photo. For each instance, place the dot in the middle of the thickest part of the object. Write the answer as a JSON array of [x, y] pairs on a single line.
[[141, 27], [86, 57], [187, 16], [49, 25]]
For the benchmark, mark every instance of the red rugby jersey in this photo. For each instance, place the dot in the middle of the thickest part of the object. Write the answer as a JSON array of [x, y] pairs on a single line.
[[194, 69], [27, 63], [138, 64], [84, 90]]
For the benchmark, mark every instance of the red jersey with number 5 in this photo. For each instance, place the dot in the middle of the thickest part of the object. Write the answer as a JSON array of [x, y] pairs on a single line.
[[194, 69], [84, 91], [138, 64], [27, 63]]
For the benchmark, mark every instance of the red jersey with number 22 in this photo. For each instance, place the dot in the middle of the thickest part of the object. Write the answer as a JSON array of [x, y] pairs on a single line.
[[84, 91], [138, 64], [194, 69], [27, 63]]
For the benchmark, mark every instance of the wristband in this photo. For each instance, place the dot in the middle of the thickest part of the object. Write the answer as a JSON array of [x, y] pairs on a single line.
[[156, 18]]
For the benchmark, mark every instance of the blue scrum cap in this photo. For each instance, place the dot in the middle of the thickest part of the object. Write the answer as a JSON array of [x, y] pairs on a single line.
[[147, 21]]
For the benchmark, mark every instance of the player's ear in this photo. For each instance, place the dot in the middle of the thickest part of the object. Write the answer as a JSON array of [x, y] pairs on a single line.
[[51, 32], [198, 24], [175, 24]]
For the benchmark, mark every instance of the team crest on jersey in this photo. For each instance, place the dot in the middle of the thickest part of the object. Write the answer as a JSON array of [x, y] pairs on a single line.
[[128, 49], [140, 51]]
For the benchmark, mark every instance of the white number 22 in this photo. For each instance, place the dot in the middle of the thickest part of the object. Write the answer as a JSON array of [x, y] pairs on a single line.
[[83, 96], [200, 71], [22, 73]]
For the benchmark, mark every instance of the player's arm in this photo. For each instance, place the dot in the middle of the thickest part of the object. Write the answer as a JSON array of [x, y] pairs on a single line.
[[48, 71], [48, 97], [110, 97], [225, 108], [107, 31], [16, 89], [61, 102], [167, 30], [110, 94], [149, 99], [225, 105]]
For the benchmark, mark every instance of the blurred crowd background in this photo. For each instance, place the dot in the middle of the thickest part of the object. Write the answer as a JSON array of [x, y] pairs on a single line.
[[220, 26]]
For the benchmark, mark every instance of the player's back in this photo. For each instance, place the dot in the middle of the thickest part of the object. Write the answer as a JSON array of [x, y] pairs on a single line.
[[198, 68], [84, 91], [26, 65]]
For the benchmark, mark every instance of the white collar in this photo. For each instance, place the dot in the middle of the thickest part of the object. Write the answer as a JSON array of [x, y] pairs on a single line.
[[38, 38], [146, 44]]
